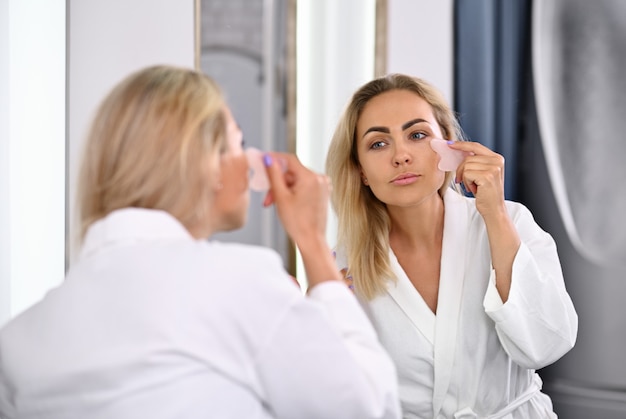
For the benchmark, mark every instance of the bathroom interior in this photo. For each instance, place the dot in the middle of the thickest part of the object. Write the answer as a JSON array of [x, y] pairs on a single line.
[[539, 81]]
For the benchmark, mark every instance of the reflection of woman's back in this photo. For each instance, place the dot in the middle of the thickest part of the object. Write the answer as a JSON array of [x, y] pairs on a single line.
[[466, 294], [155, 321]]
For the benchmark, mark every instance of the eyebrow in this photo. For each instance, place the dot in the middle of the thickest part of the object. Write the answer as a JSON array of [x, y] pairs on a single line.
[[404, 126], [412, 122]]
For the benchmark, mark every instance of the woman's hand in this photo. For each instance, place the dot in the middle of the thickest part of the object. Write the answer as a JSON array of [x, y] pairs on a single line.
[[300, 195], [483, 175]]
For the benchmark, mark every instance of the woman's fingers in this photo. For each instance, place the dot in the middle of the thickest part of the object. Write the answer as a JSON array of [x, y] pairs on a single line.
[[483, 175], [300, 195], [481, 164], [472, 147]]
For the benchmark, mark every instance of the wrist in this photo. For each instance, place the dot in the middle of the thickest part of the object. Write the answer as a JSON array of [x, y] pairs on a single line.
[[312, 243], [318, 261]]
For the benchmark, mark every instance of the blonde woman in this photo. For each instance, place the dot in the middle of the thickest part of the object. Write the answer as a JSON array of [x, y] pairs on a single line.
[[154, 321], [467, 294]]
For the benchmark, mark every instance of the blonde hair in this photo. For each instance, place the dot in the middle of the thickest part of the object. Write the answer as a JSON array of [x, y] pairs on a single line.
[[363, 221], [148, 146]]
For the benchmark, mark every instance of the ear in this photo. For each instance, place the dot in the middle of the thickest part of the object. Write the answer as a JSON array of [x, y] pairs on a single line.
[[364, 178]]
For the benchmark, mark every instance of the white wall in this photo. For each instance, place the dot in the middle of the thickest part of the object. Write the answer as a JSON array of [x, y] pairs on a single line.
[[32, 151], [5, 222], [420, 35], [107, 41], [335, 55]]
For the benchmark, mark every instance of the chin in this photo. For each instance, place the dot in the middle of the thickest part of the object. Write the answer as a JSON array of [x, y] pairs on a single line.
[[233, 222]]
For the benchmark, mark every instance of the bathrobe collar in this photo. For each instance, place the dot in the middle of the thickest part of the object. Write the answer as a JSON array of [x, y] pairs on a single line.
[[441, 329], [131, 225]]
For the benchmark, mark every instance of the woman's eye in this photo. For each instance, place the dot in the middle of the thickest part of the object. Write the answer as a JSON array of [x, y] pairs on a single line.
[[377, 144], [417, 135]]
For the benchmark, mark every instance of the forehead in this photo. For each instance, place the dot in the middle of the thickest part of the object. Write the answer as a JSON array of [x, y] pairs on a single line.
[[394, 108]]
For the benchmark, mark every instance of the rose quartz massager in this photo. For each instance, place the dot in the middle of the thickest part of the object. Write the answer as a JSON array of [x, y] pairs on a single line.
[[259, 181], [450, 158]]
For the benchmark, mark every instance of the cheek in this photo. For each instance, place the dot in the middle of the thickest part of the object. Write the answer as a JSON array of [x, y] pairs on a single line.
[[235, 172], [367, 167], [430, 158], [243, 171]]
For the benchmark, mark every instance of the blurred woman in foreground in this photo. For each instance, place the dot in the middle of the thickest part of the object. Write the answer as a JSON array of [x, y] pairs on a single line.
[[155, 321]]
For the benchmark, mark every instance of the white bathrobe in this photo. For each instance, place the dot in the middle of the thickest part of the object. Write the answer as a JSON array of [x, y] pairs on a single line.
[[476, 358], [151, 323]]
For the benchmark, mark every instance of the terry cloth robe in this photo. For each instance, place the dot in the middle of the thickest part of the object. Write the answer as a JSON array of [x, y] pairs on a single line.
[[151, 323], [476, 357]]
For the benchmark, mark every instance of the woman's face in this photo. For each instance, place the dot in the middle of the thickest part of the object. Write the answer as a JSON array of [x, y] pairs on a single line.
[[393, 147], [232, 197]]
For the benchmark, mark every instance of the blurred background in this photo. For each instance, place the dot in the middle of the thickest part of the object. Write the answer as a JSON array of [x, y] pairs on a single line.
[[539, 81]]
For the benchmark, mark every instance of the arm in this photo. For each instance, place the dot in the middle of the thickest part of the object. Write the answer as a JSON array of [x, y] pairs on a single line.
[[504, 243], [483, 174], [535, 318], [538, 323], [301, 198]]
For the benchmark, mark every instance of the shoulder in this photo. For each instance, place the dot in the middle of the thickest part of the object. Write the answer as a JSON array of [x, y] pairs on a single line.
[[516, 210], [258, 263], [523, 219], [243, 257], [242, 251], [520, 214]]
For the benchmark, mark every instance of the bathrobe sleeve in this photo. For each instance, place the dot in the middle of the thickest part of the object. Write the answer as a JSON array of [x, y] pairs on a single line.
[[330, 381], [538, 323]]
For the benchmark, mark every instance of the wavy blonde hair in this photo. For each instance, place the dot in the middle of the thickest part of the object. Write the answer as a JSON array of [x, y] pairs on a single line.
[[363, 221], [149, 146]]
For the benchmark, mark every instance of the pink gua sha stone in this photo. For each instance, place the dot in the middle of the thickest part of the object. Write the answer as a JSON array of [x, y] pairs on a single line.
[[258, 176], [450, 158]]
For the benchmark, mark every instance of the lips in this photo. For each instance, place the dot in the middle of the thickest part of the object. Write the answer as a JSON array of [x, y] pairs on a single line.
[[404, 179]]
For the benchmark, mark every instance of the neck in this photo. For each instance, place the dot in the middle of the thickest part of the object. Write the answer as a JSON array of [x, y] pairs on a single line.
[[420, 226]]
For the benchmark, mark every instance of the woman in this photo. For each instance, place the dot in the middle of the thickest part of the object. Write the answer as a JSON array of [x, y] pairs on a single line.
[[154, 321], [466, 294]]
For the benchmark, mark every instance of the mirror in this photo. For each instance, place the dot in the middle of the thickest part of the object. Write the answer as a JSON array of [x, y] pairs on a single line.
[[248, 47]]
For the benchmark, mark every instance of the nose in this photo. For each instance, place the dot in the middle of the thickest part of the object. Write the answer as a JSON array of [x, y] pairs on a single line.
[[401, 156]]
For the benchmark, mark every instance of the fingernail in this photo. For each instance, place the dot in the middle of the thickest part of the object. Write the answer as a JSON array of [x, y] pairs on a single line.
[[267, 160], [449, 142]]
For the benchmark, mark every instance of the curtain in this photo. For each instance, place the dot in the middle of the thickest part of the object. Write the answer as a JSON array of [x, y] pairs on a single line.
[[492, 41]]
